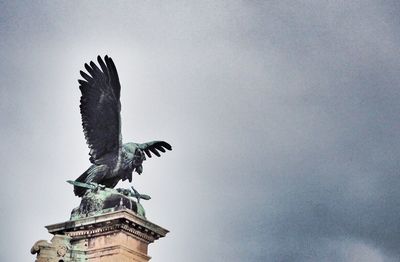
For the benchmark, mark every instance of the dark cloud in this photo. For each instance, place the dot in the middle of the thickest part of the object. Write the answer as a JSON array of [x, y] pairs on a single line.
[[284, 118]]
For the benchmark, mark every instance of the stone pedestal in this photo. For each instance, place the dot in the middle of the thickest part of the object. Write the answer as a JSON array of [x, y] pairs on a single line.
[[119, 235]]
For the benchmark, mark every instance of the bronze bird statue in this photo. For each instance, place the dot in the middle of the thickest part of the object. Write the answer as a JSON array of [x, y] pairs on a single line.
[[100, 108]]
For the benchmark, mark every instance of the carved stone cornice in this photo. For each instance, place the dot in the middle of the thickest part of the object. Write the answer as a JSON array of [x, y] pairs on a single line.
[[120, 220]]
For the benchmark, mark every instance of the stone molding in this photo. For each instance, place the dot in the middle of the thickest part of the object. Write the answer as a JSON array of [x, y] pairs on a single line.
[[116, 236], [137, 224]]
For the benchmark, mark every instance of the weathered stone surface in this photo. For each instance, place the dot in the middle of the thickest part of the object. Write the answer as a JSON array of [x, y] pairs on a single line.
[[119, 235], [59, 249]]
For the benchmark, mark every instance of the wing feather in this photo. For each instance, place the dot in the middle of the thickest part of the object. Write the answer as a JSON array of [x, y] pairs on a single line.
[[154, 147], [100, 108], [103, 67], [161, 149], [89, 69], [154, 150], [85, 76], [147, 153]]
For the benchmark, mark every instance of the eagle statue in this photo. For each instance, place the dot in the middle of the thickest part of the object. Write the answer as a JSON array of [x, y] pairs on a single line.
[[100, 108]]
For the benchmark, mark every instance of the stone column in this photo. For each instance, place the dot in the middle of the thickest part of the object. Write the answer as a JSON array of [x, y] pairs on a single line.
[[119, 235]]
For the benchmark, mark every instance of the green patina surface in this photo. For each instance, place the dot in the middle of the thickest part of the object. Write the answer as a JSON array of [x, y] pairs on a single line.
[[99, 199]]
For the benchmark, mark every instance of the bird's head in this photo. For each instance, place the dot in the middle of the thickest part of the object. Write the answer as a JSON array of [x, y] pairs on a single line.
[[138, 157], [137, 160]]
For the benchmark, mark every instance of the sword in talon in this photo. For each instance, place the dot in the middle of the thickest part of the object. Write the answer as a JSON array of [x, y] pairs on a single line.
[[139, 196], [91, 185]]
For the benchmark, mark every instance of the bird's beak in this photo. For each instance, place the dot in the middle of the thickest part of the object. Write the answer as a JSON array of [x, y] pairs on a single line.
[[139, 169]]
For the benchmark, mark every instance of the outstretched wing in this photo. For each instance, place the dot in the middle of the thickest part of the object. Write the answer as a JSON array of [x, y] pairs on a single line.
[[101, 107], [154, 147]]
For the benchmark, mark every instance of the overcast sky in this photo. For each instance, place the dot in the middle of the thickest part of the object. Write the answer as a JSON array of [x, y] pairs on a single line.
[[284, 117]]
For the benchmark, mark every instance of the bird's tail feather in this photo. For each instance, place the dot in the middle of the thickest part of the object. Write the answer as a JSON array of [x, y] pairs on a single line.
[[80, 191], [94, 174]]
